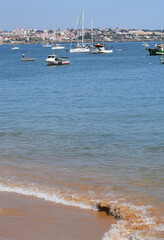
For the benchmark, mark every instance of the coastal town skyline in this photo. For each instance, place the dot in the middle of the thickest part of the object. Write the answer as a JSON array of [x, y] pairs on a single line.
[[54, 14], [38, 36]]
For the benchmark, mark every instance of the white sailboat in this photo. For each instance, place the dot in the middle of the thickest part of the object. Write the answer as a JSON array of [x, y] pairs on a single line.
[[80, 48]]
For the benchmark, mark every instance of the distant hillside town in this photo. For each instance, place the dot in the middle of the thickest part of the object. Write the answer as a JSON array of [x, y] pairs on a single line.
[[36, 36]]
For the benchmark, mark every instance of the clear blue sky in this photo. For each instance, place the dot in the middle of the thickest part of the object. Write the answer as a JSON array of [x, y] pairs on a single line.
[[53, 14]]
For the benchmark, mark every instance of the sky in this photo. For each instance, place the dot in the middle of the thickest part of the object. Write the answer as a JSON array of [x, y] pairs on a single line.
[[62, 14]]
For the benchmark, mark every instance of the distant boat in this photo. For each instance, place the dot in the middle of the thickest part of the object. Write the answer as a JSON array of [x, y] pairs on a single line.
[[52, 60], [26, 59], [47, 45], [94, 50], [145, 44], [80, 48], [58, 47], [15, 48], [100, 48]]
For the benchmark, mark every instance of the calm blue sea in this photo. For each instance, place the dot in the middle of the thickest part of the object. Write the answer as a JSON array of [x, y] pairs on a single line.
[[98, 121]]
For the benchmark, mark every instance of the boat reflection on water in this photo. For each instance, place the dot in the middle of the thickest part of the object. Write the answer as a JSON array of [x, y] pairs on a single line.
[[162, 60]]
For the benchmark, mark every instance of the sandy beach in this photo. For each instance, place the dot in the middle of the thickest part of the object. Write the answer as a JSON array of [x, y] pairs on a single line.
[[24, 217]]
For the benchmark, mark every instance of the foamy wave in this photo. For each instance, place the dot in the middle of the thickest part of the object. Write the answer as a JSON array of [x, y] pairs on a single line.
[[133, 222], [48, 196]]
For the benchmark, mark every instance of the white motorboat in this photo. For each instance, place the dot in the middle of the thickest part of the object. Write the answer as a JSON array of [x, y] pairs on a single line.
[[80, 48], [47, 45], [94, 50], [100, 48], [52, 60], [58, 47], [15, 48], [145, 44], [104, 50]]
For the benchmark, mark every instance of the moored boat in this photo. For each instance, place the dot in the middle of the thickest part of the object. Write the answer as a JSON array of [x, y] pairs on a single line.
[[53, 60], [158, 50], [94, 50], [100, 48], [15, 48], [26, 59], [58, 47], [47, 45], [145, 44], [80, 48]]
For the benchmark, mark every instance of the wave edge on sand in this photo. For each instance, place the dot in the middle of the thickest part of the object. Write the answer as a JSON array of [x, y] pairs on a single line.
[[133, 222]]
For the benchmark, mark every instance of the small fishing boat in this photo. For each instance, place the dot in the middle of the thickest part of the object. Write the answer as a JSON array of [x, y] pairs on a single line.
[[26, 59], [53, 60]]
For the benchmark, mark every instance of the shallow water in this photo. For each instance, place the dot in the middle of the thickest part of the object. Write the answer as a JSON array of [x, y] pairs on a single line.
[[86, 133]]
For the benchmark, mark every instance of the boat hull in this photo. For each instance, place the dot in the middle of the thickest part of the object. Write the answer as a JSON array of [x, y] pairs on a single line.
[[154, 51], [106, 51], [57, 63], [52, 63], [79, 50], [58, 47], [28, 60]]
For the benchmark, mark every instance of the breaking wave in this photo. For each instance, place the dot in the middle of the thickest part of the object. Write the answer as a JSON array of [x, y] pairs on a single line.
[[133, 222]]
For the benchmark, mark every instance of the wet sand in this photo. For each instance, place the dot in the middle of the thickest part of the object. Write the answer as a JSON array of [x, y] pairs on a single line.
[[23, 218]]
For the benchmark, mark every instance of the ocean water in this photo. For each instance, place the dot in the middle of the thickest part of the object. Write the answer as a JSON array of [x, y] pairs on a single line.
[[89, 134]]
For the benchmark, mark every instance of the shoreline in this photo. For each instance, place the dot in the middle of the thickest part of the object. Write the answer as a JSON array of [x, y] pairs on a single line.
[[26, 217], [40, 43]]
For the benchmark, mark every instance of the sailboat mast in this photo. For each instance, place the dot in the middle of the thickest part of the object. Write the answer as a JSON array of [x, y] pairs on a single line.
[[77, 30], [92, 30], [82, 27], [161, 32]]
